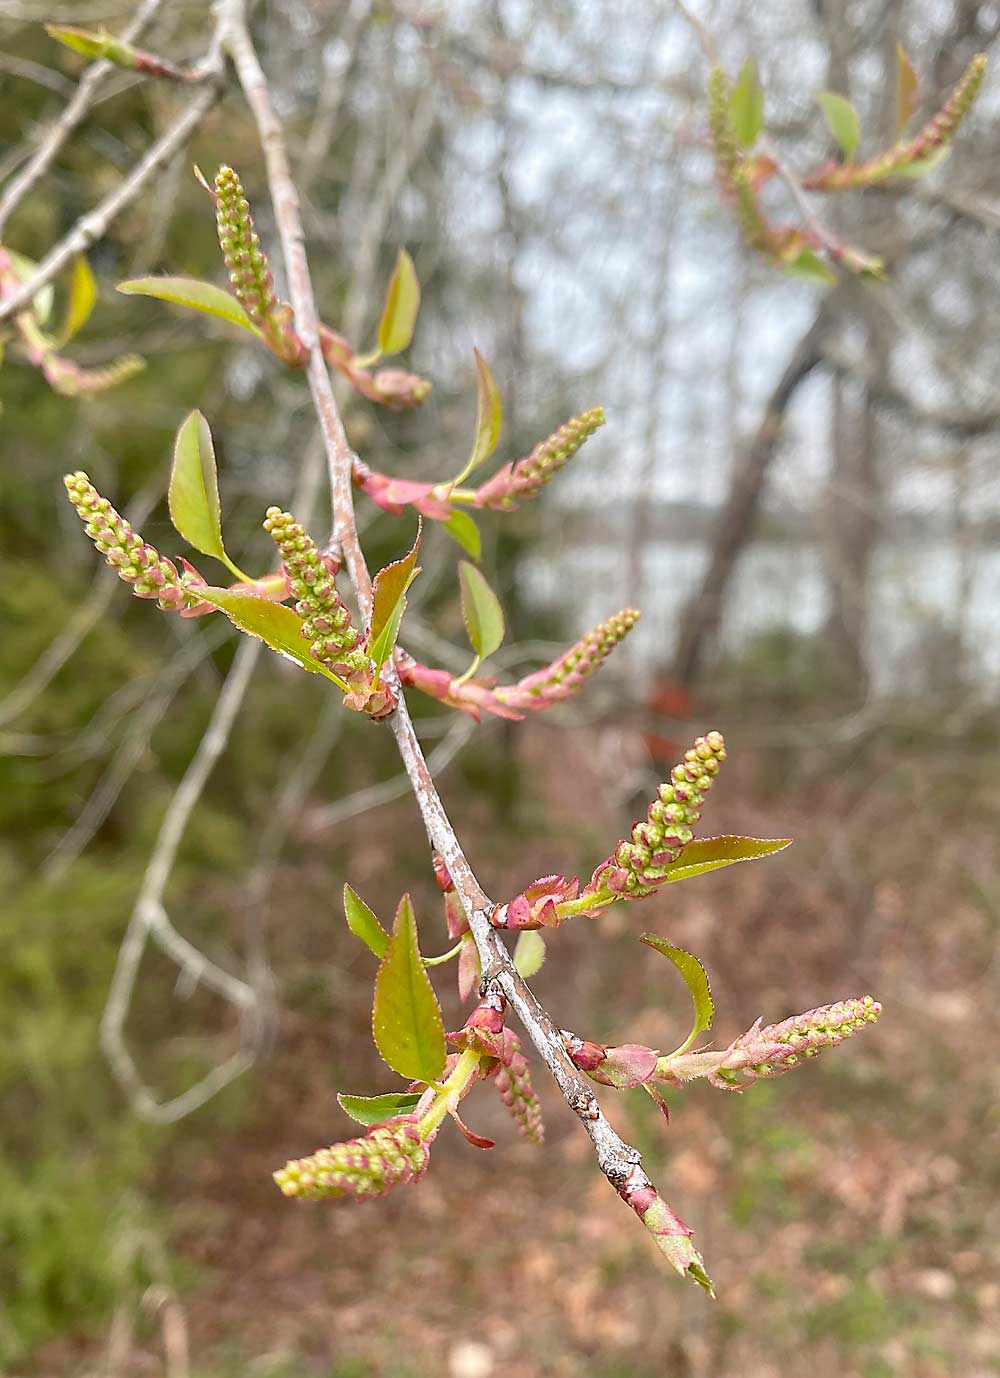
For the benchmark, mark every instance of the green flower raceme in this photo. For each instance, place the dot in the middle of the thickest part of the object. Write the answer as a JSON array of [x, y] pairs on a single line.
[[388, 1156], [249, 272], [525, 479], [133, 559]]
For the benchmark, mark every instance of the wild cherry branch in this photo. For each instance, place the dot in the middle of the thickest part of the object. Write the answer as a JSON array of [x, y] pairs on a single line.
[[318, 631]]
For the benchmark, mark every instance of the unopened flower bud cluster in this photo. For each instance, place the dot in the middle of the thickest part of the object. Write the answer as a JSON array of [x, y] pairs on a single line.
[[387, 1156]]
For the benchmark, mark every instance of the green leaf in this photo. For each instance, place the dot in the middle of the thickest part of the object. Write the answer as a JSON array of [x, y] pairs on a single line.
[[406, 1018], [363, 924], [907, 89], [193, 495], [464, 532], [82, 296], [712, 853], [810, 266], [274, 624], [921, 166], [389, 602], [842, 118], [23, 268], [402, 302], [375, 1109], [481, 610], [489, 418], [529, 953], [199, 296], [696, 980], [81, 41], [746, 105]]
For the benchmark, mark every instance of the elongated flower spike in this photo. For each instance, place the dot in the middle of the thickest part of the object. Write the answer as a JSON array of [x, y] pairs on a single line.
[[773, 1049], [249, 272], [512, 1078], [388, 1156], [527, 477], [535, 692], [640, 863], [566, 675], [326, 620], [935, 135], [133, 559], [734, 174]]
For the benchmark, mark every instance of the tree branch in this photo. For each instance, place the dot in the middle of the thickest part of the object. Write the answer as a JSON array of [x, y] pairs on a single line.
[[94, 224], [619, 1162], [76, 109]]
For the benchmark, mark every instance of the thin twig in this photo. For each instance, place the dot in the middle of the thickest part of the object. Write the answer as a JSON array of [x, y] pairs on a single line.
[[94, 224], [71, 116]]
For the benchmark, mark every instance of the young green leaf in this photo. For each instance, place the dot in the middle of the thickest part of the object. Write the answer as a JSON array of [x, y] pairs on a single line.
[[746, 105], [842, 118], [363, 924], [375, 1109], [199, 296], [529, 953], [481, 610], [82, 296], [907, 89], [712, 853], [465, 533], [23, 268], [406, 1018], [696, 980], [807, 264], [389, 602], [82, 41], [402, 302], [193, 495], [273, 623], [489, 418]]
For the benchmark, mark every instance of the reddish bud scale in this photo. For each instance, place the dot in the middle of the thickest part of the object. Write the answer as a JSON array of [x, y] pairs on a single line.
[[672, 1236], [138, 564], [392, 387], [526, 479], [387, 1156]]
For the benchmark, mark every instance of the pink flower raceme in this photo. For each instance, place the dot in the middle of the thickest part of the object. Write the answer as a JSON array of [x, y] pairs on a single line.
[[760, 1052], [525, 479], [535, 692], [389, 1155]]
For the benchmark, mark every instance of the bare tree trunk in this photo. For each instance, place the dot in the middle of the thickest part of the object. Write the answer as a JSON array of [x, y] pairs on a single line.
[[852, 523], [700, 619]]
